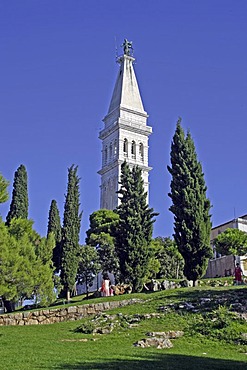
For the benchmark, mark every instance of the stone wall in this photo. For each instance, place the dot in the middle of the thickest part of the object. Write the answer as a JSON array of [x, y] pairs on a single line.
[[218, 267], [70, 313]]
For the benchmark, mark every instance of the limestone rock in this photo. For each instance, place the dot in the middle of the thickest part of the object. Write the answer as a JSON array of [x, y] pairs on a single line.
[[159, 343]]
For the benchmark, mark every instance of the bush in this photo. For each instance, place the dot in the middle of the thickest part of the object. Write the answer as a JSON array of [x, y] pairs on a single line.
[[220, 324], [86, 328]]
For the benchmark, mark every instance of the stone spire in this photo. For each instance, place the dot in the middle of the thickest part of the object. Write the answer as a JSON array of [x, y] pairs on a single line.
[[126, 92]]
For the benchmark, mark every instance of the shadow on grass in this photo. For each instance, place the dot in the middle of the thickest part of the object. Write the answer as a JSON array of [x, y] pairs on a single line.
[[159, 361]]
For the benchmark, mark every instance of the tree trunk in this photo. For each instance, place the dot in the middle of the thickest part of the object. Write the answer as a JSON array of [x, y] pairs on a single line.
[[194, 283], [9, 305], [68, 295], [86, 287]]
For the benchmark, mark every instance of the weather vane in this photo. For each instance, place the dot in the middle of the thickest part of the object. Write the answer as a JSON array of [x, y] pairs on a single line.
[[127, 47]]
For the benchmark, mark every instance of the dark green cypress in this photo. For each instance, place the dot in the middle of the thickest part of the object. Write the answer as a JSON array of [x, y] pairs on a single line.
[[19, 202], [54, 226], [70, 232], [190, 205], [135, 228]]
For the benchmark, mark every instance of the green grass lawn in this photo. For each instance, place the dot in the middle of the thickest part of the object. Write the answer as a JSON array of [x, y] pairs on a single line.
[[62, 347]]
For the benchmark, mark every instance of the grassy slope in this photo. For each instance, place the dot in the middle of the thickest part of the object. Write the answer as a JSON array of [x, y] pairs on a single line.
[[57, 346]]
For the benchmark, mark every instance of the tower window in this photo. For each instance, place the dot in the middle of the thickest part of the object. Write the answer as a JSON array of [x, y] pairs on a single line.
[[115, 148], [125, 147], [133, 149], [106, 154], [110, 155], [141, 151]]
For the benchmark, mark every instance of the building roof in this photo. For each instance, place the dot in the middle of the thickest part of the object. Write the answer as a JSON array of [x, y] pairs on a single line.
[[234, 219]]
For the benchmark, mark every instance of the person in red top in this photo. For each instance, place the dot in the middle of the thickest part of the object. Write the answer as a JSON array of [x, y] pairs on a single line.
[[238, 274], [105, 286]]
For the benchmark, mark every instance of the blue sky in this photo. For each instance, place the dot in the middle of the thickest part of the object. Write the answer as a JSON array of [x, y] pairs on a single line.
[[57, 73]]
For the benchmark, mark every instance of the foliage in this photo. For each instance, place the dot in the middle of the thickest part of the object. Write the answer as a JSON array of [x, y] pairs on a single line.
[[170, 261], [44, 252], [153, 267], [54, 226], [89, 265], [3, 189], [135, 228], [220, 324], [190, 205], [19, 202], [87, 327], [101, 221], [108, 258], [70, 232], [26, 267], [101, 234], [231, 241]]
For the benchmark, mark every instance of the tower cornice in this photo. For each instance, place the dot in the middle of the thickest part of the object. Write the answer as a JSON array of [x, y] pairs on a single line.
[[118, 163], [117, 111], [132, 127]]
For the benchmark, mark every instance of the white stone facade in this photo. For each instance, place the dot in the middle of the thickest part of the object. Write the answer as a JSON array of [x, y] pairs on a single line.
[[125, 135]]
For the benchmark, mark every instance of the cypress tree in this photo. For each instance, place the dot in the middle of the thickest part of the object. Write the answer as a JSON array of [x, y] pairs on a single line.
[[135, 228], [54, 226], [19, 202], [190, 205], [70, 232]]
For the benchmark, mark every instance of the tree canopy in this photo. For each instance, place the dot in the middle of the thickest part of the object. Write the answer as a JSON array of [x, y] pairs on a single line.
[[101, 234], [231, 241], [26, 266], [171, 262], [190, 205], [101, 221], [89, 265]]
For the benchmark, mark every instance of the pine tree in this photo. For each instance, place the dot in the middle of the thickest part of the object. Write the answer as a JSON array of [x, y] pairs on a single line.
[[54, 226], [101, 221], [19, 202], [135, 228], [190, 205], [89, 266], [101, 234], [231, 241], [25, 263], [70, 232]]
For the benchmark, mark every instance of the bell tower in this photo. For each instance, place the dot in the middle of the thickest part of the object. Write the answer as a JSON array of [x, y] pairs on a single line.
[[125, 133]]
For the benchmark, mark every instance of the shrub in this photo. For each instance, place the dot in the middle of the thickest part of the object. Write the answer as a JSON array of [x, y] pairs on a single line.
[[219, 324]]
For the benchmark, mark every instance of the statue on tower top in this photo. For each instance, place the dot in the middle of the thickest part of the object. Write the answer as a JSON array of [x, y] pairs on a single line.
[[127, 47]]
